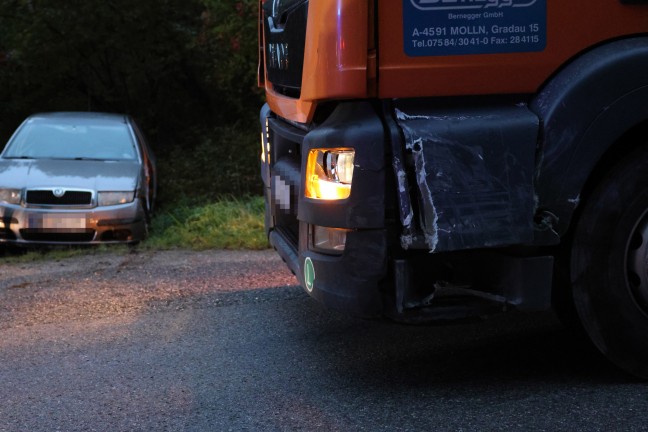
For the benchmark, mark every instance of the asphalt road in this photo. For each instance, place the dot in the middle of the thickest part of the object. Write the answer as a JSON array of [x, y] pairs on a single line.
[[218, 341]]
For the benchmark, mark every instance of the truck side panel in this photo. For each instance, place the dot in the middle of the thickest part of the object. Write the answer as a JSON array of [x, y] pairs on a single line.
[[570, 29]]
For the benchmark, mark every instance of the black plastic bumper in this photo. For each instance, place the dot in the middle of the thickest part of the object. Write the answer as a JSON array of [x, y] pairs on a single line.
[[350, 281], [383, 269], [347, 283]]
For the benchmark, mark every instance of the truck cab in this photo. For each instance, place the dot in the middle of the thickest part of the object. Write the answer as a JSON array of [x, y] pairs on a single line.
[[441, 159]]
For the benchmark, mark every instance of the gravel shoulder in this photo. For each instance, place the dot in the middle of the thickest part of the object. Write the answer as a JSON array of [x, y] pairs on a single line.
[[104, 284]]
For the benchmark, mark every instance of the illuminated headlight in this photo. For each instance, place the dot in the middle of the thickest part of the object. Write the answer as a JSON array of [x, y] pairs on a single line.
[[329, 173], [328, 239], [114, 198], [10, 196]]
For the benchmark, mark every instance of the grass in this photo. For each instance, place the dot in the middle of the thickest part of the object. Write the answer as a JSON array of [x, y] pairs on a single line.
[[229, 223]]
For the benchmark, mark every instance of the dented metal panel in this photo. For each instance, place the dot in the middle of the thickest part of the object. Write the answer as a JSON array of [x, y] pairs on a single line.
[[474, 172]]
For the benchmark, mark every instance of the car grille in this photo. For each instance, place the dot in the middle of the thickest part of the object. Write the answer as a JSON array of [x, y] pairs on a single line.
[[47, 197], [54, 236]]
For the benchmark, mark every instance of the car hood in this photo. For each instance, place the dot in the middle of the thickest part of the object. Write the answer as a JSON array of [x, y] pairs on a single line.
[[48, 173]]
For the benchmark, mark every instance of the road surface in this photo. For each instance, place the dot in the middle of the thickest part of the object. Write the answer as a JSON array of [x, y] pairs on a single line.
[[218, 341]]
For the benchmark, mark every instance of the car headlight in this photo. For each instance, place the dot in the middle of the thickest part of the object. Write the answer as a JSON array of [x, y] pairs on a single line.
[[114, 198], [11, 196], [329, 173]]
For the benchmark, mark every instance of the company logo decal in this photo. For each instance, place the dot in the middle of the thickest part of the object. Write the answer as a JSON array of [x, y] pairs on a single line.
[[59, 192], [469, 4], [278, 56]]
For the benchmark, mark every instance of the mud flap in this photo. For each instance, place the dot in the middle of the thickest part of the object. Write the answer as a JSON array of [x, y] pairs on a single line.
[[474, 170]]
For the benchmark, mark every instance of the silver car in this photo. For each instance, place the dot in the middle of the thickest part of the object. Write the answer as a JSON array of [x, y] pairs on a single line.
[[76, 178]]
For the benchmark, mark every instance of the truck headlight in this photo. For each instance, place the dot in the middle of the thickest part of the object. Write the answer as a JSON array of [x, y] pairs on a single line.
[[329, 173], [10, 196], [114, 198]]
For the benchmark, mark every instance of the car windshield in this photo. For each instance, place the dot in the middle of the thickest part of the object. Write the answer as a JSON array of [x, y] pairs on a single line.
[[57, 138]]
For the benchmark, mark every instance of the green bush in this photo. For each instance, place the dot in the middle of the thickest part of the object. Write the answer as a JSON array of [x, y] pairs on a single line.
[[223, 161], [184, 69]]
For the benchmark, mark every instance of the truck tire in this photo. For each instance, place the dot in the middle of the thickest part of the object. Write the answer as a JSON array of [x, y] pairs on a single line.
[[609, 264]]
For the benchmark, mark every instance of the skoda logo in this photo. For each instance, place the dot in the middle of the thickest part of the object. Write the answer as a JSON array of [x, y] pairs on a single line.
[[59, 192]]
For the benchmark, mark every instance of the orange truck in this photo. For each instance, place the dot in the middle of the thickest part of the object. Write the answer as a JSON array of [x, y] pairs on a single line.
[[440, 159]]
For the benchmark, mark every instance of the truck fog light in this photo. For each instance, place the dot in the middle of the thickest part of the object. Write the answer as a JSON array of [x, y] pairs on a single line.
[[329, 173], [328, 239]]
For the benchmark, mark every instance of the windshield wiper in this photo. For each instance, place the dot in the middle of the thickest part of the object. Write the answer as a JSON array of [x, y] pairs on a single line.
[[18, 157]]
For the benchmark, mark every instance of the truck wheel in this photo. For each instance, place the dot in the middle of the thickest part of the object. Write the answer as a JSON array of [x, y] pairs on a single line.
[[609, 265]]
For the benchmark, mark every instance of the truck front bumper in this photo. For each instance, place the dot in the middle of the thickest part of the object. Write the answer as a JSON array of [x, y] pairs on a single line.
[[348, 283], [434, 209], [348, 280]]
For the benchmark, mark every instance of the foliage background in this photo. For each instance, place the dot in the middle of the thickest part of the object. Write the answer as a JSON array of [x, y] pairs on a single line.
[[184, 69]]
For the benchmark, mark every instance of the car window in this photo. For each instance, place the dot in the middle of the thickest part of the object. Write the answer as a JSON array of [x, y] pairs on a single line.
[[51, 139]]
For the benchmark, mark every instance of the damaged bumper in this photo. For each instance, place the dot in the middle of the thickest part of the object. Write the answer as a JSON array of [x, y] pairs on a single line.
[[445, 181], [347, 277], [472, 175]]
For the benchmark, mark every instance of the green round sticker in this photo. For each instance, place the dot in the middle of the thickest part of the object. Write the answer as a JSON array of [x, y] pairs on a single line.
[[309, 274]]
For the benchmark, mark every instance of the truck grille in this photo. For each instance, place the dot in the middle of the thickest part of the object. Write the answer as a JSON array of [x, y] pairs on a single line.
[[47, 197], [285, 38], [285, 178]]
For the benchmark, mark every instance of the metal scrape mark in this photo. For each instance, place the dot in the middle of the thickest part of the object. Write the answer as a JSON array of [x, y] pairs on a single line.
[[546, 222], [408, 219], [400, 115], [414, 145], [406, 241], [403, 190], [431, 239], [402, 176], [430, 218]]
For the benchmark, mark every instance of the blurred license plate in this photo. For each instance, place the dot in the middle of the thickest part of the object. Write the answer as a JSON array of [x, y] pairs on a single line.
[[58, 222]]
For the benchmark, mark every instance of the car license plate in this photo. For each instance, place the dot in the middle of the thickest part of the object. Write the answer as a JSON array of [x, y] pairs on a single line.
[[63, 222]]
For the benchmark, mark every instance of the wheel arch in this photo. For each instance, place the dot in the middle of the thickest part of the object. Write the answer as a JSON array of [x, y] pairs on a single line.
[[561, 290], [590, 111], [628, 142]]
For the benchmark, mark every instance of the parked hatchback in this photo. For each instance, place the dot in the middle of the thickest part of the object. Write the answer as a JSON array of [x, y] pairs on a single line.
[[76, 178]]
